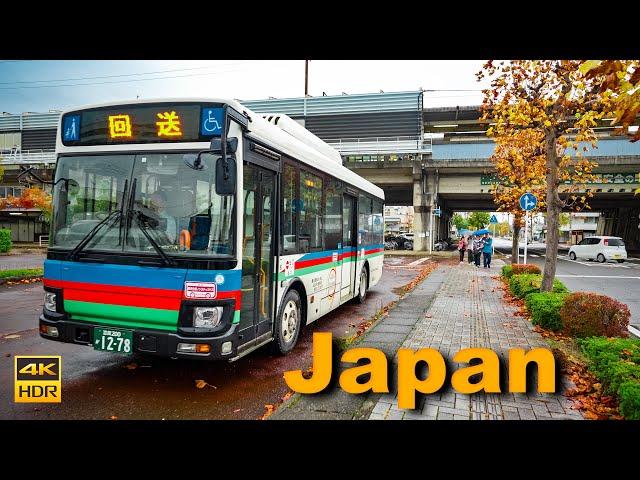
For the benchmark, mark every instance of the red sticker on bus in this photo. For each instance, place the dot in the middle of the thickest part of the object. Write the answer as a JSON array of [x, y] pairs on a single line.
[[200, 290]]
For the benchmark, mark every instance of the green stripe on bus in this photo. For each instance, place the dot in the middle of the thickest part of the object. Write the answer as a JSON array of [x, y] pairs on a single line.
[[122, 316], [236, 317]]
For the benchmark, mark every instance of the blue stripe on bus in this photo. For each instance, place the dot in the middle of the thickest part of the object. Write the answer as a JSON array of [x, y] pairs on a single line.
[[136, 276]]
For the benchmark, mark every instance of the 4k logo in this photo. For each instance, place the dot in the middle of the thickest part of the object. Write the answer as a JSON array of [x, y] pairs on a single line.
[[38, 379]]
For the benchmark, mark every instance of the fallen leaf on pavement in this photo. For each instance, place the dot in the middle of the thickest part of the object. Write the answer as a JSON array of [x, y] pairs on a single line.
[[237, 410], [113, 417], [269, 411], [428, 315], [131, 366], [202, 384]]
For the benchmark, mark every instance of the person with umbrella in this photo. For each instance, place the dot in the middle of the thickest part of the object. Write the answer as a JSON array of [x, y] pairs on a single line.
[[477, 248], [487, 250]]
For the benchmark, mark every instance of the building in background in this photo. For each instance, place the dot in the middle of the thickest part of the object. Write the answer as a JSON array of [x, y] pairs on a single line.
[[26, 140], [581, 225], [398, 219]]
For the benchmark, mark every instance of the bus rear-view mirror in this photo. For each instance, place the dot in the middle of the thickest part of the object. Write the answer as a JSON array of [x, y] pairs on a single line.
[[226, 176]]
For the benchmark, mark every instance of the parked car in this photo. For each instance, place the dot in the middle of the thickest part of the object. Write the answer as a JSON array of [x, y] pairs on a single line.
[[599, 248]]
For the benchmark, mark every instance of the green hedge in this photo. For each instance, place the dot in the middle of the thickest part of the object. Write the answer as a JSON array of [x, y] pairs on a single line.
[[5, 240], [544, 308], [526, 283], [616, 363], [507, 271]]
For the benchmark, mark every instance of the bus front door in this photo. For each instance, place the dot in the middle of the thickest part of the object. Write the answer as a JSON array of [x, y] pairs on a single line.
[[349, 247], [257, 254]]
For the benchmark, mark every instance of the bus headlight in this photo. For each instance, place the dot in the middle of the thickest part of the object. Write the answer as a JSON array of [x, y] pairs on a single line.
[[50, 301], [207, 317]]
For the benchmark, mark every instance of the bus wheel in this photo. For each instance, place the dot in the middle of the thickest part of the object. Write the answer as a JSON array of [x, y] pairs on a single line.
[[288, 323], [362, 287]]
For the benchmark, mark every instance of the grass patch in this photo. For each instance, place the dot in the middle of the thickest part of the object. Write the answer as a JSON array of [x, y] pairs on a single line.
[[22, 273]]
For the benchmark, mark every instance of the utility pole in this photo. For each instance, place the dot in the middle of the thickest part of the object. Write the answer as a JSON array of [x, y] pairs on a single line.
[[306, 78]]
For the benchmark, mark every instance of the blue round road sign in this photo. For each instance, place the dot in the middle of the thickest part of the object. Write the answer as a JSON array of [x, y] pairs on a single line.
[[528, 201]]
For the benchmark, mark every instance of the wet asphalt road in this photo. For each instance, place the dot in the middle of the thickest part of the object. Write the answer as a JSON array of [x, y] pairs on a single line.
[[98, 385], [617, 280]]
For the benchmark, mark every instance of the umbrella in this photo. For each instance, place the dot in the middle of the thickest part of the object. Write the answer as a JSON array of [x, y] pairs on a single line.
[[481, 232], [464, 231]]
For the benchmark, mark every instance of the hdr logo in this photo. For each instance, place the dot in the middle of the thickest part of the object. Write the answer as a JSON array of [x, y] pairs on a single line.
[[38, 379]]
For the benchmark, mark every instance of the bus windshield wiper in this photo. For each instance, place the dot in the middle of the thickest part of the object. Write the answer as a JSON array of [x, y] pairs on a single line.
[[137, 215], [73, 254]]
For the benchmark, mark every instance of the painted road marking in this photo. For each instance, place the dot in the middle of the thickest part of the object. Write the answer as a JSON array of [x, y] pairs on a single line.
[[597, 276], [419, 261]]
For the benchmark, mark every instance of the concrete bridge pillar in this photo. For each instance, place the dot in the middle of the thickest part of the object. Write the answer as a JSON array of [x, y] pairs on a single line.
[[423, 188]]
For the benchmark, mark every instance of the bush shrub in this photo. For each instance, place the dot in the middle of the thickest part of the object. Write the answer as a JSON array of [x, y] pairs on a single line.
[[544, 308], [507, 271], [5, 240], [590, 314], [526, 283], [616, 363], [520, 268]]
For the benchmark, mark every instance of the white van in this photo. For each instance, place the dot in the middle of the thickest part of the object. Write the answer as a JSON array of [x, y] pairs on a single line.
[[599, 248]]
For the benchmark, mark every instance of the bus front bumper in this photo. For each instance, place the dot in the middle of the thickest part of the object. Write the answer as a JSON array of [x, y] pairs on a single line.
[[152, 342]]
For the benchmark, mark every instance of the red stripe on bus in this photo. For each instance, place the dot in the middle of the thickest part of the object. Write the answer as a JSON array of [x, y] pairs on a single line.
[[128, 300], [312, 262], [115, 289], [373, 250]]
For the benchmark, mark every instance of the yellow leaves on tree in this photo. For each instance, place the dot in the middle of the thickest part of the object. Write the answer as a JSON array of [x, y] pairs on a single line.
[[621, 80], [30, 198], [520, 167], [555, 101]]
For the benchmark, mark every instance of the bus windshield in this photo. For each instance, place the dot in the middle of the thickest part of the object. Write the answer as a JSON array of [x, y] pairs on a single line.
[[177, 205]]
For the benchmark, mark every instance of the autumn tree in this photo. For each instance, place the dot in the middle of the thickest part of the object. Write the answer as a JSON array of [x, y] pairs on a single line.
[[554, 98], [30, 198], [503, 228], [620, 79], [520, 168]]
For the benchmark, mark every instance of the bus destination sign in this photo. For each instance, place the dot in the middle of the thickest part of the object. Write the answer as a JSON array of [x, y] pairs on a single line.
[[147, 123]]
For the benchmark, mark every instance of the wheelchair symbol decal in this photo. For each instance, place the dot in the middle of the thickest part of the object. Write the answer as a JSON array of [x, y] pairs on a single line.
[[211, 121]]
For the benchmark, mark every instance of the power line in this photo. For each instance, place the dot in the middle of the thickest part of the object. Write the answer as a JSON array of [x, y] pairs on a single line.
[[120, 81], [122, 75]]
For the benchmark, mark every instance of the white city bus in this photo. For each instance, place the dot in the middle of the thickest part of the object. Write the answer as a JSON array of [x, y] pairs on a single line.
[[196, 228]]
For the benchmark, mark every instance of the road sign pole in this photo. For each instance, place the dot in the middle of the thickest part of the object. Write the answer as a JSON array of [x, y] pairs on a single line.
[[526, 222]]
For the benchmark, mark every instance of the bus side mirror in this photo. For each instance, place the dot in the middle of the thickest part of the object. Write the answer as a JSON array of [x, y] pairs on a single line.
[[226, 176]]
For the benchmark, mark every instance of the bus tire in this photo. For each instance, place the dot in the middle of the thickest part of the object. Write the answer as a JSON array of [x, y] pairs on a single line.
[[288, 323], [363, 285]]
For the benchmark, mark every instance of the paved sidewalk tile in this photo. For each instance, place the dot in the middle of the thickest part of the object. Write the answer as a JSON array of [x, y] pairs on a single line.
[[468, 312]]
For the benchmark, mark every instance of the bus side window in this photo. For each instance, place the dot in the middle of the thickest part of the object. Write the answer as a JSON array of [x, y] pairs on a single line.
[[310, 212], [290, 203]]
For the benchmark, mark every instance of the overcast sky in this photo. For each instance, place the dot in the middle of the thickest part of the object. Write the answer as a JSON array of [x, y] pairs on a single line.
[[39, 86]]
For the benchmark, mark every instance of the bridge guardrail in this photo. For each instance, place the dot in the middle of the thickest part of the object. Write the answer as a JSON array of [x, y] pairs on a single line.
[[381, 145], [28, 156]]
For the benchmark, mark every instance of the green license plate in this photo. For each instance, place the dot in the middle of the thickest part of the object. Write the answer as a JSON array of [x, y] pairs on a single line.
[[113, 340]]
